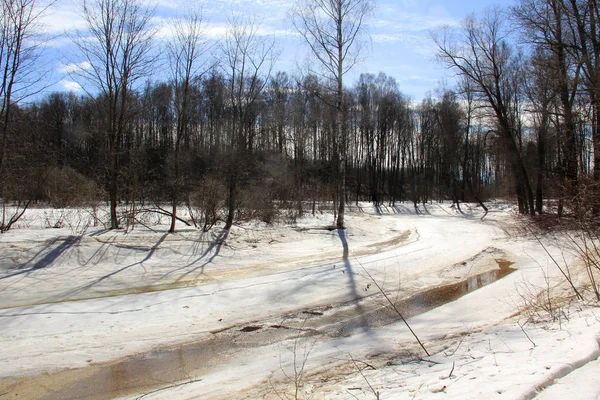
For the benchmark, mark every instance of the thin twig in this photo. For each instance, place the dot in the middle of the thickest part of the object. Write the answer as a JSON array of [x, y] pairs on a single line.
[[567, 277], [521, 326], [169, 387], [458, 346], [375, 392], [391, 303]]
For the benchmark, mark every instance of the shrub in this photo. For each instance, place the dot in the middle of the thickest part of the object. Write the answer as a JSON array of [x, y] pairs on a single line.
[[65, 187], [207, 201]]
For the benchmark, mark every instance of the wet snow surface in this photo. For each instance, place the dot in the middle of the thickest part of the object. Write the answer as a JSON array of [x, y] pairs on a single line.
[[291, 311]]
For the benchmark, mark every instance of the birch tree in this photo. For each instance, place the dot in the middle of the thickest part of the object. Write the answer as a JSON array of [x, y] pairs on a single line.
[[333, 31]]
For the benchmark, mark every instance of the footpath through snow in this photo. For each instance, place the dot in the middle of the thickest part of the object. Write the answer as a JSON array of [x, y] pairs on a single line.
[[290, 312]]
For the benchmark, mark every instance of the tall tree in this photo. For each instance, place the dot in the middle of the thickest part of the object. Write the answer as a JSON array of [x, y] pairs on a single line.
[[19, 75], [116, 52], [481, 53], [248, 60], [186, 51], [332, 30], [541, 92], [584, 17], [545, 24]]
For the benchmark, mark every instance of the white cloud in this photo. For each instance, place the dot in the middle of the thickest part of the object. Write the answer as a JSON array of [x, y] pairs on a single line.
[[411, 16], [209, 30], [218, 30], [270, 31], [71, 86], [412, 22], [63, 16], [74, 67], [58, 42], [407, 28], [418, 78], [418, 43], [385, 38]]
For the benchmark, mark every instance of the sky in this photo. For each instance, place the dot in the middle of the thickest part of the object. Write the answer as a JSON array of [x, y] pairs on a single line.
[[398, 41]]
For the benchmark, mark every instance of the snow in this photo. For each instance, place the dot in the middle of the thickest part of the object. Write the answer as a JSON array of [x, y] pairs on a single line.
[[579, 384], [78, 298]]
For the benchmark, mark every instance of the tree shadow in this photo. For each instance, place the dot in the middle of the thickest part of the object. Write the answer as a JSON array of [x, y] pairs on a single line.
[[113, 273], [214, 247], [402, 210], [458, 208], [98, 232], [48, 258], [217, 244], [349, 272]]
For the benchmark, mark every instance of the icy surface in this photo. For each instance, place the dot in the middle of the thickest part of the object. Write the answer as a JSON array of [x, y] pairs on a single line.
[[78, 297]]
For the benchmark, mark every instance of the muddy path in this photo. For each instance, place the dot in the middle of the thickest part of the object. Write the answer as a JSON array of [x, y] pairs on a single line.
[[159, 368]]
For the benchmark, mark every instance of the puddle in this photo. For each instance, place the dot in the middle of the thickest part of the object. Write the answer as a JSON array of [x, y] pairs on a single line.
[[416, 304], [135, 374], [160, 368], [429, 299]]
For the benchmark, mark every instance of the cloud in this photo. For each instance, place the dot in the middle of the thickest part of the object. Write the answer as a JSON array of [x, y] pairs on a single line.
[[411, 22], [63, 16], [58, 41], [218, 30], [264, 5], [209, 30], [386, 38], [74, 67], [419, 44], [70, 86], [271, 31], [407, 28], [418, 78]]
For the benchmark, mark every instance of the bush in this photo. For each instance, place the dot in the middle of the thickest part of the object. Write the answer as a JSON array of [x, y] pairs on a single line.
[[65, 187], [256, 202], [207, 202]]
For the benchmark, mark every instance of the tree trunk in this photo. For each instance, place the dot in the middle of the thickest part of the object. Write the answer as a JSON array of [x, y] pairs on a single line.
[[340, 128], [113, 194], [231, 200], [175, 193], [541, 153]]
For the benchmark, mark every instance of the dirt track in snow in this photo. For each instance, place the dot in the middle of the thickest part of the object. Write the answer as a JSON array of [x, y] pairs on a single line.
[[236, 310]]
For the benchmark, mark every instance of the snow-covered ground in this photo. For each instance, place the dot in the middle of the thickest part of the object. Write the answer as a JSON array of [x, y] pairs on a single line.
[[292, 311]]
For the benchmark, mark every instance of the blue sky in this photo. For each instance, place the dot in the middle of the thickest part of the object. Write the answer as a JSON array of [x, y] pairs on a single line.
[[399, 36]]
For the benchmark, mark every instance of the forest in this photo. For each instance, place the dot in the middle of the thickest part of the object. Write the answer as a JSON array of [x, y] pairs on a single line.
[[227, 138]]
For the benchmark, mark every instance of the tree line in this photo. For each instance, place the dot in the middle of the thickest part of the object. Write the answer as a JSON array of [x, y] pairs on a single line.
[[227, 137]]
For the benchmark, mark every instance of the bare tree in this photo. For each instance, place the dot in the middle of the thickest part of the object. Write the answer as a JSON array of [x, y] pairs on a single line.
[[116, 52], [186, 52], [541, 92], [544, 23], [248, 60], [584, 16], [481, 53], [332, 29], [19, 53]]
